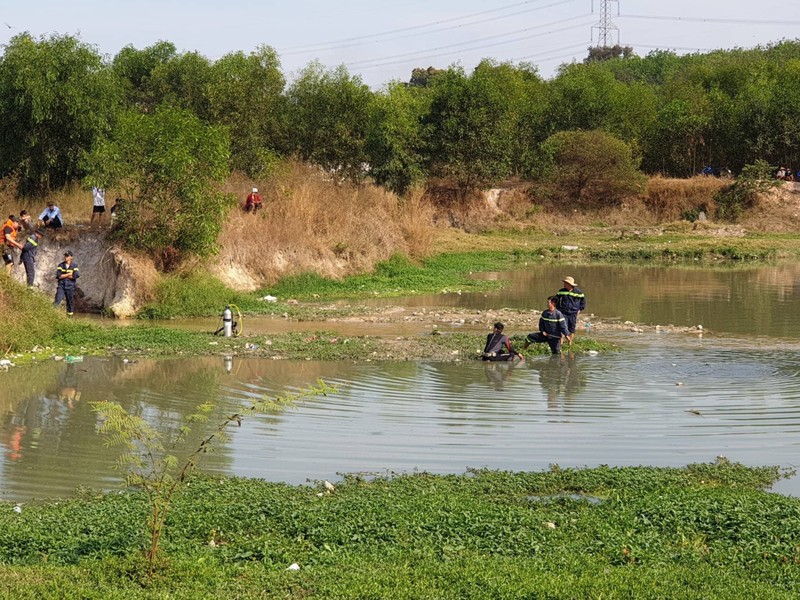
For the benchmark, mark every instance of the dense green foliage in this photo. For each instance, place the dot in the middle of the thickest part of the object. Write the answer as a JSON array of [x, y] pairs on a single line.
[[741, 194], [589, 169], [730, 108], [169, 162], [56, 98], [706, 530]]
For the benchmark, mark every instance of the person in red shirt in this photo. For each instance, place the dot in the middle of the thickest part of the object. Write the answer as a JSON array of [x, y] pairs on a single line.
[[253, 202]]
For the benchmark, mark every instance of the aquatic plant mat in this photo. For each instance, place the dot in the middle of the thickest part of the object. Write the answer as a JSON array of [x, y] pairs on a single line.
[[706, 530]]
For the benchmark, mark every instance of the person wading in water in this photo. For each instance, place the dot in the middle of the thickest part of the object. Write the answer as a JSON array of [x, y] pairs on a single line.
[[498, 346]]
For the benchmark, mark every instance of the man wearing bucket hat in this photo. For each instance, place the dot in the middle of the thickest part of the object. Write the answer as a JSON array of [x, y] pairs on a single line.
[[570, 301]]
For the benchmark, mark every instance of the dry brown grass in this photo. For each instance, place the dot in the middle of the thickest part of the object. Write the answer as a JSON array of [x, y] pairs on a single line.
[[74, 201], [667, 199], [310, 223]]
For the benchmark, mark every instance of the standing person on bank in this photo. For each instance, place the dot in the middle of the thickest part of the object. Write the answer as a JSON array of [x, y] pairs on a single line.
[[28, 255], [552, 327], [66, 274], [98, 205], [8, 235], [570, 301], [51, 216]]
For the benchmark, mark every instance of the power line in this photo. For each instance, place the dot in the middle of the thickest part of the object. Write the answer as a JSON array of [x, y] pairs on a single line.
[[543, 55], [327, 47], [687, 48], [467, 43], [382, 64], [410, 28], [714, 20]]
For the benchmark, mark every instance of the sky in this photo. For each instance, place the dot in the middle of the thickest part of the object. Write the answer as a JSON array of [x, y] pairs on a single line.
[[384, 41]]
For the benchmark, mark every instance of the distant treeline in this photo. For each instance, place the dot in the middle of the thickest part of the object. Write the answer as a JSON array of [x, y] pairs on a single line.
[[61, 100]]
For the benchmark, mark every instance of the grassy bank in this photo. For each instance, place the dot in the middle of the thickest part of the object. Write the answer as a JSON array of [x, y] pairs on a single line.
[[33, 323], [462, 255], [706, 530]]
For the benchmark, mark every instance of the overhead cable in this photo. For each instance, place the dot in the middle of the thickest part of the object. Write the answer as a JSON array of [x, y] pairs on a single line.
[[314, 47]]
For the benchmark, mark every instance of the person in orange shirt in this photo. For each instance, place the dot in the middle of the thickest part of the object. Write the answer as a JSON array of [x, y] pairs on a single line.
[[9, 238]]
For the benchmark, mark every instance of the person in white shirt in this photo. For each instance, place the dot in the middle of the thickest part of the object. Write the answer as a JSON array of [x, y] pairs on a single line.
[[99, 207], [51, 216]]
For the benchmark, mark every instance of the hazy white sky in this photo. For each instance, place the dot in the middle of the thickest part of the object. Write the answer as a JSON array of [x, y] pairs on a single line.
[[382, 41]]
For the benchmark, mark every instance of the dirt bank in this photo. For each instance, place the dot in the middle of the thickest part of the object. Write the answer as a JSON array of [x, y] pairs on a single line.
[[111, 280], [352, 230]]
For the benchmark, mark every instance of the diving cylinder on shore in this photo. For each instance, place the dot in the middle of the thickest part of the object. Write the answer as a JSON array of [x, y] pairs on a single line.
[[227, 322]]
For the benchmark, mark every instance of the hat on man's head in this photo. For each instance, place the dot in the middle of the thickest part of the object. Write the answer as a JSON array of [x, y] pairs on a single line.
[[68, 253], [39, 232], [255, 190], [569, 280]]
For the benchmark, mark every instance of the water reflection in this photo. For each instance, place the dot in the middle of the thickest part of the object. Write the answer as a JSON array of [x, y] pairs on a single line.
[[740, 299], [664, 400], [670, 401], [560, 377]]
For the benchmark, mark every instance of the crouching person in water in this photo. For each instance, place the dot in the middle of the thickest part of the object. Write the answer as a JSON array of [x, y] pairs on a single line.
[[498, 346], [552, 326]]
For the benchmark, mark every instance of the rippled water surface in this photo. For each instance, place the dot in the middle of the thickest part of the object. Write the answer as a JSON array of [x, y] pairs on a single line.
[[663, 400]]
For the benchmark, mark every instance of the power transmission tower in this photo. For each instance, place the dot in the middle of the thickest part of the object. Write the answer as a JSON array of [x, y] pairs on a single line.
[[606, 30]]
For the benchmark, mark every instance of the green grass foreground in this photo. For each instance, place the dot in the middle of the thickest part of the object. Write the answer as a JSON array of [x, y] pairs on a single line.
[[703, 531], [73, 338]]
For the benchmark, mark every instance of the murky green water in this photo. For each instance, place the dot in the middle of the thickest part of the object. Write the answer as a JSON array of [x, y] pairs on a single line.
[[665, 400]]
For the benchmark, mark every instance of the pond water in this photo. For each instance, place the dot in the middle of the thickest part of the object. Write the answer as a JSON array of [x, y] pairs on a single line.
[[666, 399]]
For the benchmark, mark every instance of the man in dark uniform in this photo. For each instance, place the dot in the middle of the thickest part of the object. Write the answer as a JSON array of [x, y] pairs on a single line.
[[552, 326], [28, 255], [66, 274], [570, 300]]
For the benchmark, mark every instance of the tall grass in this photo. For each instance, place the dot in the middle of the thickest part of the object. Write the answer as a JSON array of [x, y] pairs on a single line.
[[310, 223], [671, 199], [74, 200], [27, 317]]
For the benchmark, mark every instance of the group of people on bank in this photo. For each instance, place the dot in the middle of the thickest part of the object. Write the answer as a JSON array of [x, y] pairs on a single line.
[[556, 323], [21, 236]]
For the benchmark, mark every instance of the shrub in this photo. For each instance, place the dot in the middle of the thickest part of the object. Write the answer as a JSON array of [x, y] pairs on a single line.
[[170, 164], [589, 169], [741, 195]]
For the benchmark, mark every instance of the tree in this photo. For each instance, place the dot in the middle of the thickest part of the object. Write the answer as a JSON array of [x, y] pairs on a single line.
[[135, 68], [183, 81], [395, 142], [423, 77], [245, 95], [603, 53], [169, 162], [590, 169], [471, 126], [56, 98], [328, 115]]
